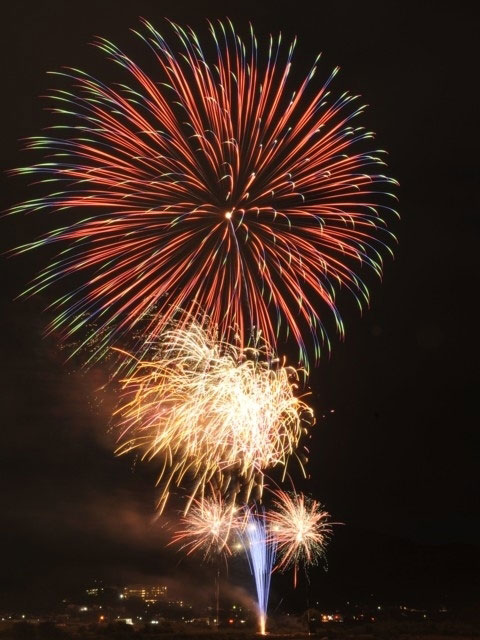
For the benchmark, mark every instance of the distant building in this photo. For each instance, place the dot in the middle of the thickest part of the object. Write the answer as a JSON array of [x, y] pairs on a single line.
[[96, 589], [151, 593]]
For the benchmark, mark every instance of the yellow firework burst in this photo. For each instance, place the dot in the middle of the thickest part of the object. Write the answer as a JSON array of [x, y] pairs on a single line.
[[209, 526], [211, 410], [300, 528]]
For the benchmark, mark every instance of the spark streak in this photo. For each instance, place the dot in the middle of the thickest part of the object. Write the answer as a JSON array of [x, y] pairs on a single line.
[[261, 552]]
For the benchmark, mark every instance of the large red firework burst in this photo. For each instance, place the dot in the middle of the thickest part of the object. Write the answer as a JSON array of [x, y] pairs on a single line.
[[213, 184]]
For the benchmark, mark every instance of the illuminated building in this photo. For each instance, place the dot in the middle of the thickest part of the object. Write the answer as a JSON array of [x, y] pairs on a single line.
[[152, 593]]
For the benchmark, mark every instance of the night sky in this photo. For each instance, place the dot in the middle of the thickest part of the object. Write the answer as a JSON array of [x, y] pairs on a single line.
[[397, 460]]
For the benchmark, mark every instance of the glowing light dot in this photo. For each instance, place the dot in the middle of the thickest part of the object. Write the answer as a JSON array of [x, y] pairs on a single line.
[[228, 215]]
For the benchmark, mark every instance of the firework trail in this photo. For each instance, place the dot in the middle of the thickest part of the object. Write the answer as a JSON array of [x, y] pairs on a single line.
[[261, 550], [208, 526], [300, 528], [213, 411], [214, 182]]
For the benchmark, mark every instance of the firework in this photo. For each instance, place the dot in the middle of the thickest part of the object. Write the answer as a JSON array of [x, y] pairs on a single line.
[[212, 410], [213, 181], [261, 552], [208, 526], [300, 528]]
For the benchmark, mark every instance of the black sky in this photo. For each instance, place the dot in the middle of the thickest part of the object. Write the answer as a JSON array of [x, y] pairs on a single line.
[[399, 457]]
